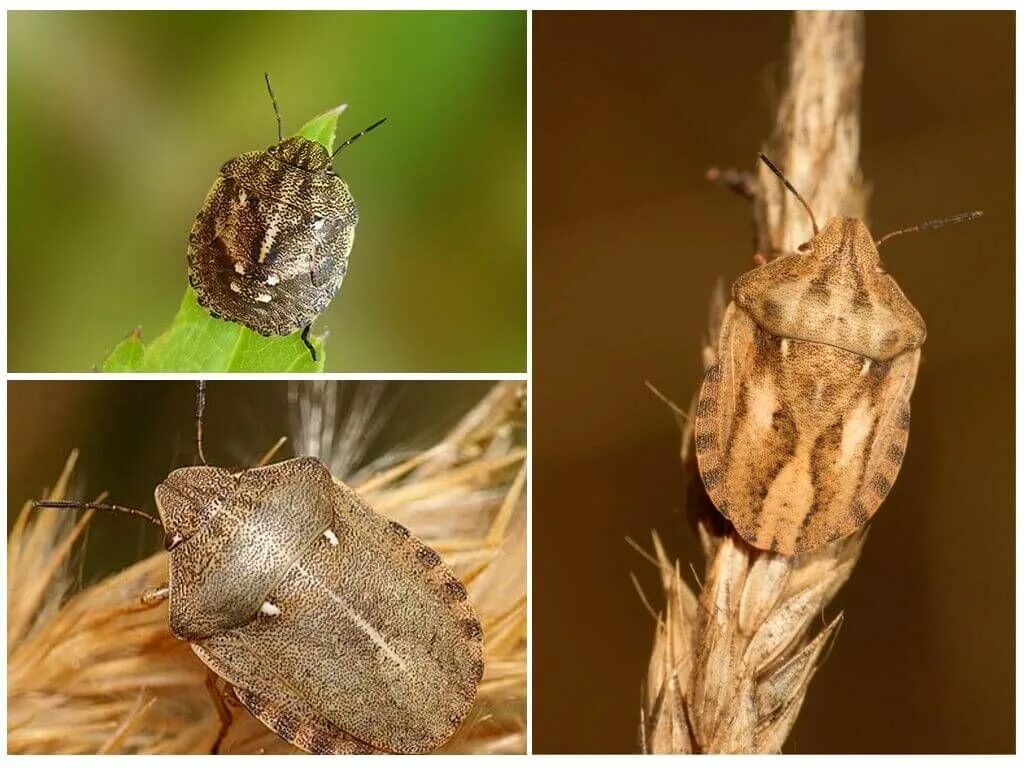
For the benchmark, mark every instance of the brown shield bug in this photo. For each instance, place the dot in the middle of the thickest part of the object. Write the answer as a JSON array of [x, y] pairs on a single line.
[[802, 421], [270, 246], [334, 626]]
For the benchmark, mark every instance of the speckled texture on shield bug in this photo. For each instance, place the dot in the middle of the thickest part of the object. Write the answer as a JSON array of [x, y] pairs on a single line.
[[334, 626], [270, 247], [801, 424]]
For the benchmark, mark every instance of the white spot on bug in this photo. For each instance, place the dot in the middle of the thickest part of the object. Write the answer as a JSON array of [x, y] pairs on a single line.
[[273, 279], [856, 429], [236, 287], [784, 347], [269, 609], [819, 390], [866, 367], [242, 197], [268, 238], [318, 224], [761, 404], [263, 297], [331, 538], [239, 267]]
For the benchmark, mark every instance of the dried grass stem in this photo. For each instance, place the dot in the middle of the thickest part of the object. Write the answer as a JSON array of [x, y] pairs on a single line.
[[732, 660]]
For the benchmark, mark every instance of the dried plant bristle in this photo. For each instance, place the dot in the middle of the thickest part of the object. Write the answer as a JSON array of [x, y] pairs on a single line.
[[732, 661], [95, 671]]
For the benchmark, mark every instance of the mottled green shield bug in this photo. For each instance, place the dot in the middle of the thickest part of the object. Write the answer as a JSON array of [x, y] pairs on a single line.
[[334, 626], [270, 246]]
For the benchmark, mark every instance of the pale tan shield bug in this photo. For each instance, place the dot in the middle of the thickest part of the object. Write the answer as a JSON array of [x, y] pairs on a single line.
[[801, 423], [334, 626], [270, 247]]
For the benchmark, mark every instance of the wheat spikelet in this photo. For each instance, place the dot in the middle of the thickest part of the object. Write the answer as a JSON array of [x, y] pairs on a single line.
[[731, 663], [96, 672]]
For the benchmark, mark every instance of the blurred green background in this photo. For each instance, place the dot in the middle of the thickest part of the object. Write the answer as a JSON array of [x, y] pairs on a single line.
[[118, 122]]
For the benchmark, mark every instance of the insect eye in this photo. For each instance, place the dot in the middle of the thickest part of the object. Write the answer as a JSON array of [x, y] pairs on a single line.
[[171, 540], [804, 247]]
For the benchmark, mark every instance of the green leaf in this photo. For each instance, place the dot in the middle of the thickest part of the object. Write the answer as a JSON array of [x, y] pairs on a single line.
[[127, 356], [323, 128], [197, 343]]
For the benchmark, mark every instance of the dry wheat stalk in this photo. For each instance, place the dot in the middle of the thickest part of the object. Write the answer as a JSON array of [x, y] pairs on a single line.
[[731, 666], [95, 672]]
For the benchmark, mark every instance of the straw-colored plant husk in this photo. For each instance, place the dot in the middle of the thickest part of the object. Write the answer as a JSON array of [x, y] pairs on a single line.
[[732, 660], [95, 671]]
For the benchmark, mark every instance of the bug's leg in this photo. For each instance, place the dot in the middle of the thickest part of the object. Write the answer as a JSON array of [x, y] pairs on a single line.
[[148, 600], [743, 183], [228, 694], [265, 459], [223, 712], [305, 340], [762, 257], [153, 597]]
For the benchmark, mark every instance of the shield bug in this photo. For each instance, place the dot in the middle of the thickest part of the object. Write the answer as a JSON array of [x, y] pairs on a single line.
[[270, 246], [334, 626], [802, 421]]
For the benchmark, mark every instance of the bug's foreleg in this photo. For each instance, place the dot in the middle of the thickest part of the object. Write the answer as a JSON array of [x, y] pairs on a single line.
[[743, 183], [223, 712], [305, 340], [155, 596], [149, 599]]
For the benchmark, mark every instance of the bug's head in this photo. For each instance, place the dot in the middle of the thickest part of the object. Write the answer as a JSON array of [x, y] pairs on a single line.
[[189, 498], [192, 496], [842, 251], [844, 243], [844, 235], [302, 153], [305, 153]]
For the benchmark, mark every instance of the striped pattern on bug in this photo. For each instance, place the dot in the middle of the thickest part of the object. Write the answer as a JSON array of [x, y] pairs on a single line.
[[801, 424], [270, 247]]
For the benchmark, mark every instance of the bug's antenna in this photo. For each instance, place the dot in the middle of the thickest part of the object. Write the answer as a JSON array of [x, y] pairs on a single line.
[[958, 219], [277, 112], [359, 135], [200, 407], [102, 507], [791, 188]]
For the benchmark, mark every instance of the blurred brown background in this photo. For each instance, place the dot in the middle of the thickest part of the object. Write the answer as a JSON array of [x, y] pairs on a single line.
[[130, 434], [629, 112]]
